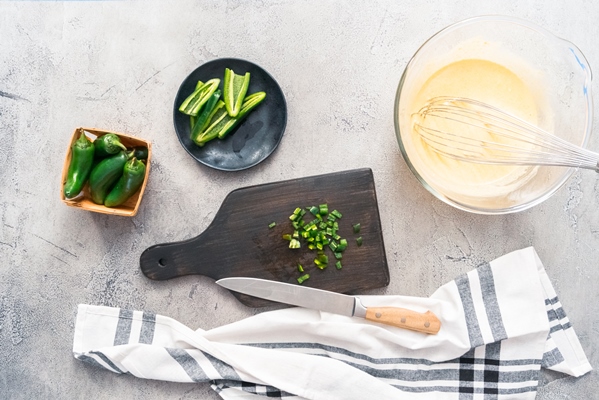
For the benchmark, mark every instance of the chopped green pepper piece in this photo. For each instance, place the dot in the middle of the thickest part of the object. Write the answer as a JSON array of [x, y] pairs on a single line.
[[357, 228], [272, 224], [338, 264], [342, 245], [333, 246], [314, 210], [320, 263], [300, 268], [296, 214], [338, 256], [359, 241], [287, 236], [302, 278], [294, 244], [336, 213], [323, 209]]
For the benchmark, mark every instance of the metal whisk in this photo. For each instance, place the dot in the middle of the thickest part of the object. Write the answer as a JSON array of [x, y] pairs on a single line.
[[469, 130]]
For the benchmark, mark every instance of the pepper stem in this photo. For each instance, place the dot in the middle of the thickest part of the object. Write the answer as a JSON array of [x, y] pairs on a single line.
[[122, 146], [83, 141]]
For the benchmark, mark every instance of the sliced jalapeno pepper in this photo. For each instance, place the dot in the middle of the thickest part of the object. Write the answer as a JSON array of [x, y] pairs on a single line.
[[195, 101], [82, 159], [131, 180], [213, 126], [203, 119], [222, 123], [108, 145], [105, 174], [235, 87]]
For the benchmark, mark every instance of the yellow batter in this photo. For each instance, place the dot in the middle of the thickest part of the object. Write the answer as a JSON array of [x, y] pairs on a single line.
[[488, 82]]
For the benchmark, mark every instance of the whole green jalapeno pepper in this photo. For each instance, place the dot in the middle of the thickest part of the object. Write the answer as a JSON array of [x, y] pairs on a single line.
[[82, 158], [108, 145], [131, 180], [105, 174], [140, 152]]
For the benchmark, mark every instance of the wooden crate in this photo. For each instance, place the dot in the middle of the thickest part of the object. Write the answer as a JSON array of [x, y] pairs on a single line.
[[83, 201]]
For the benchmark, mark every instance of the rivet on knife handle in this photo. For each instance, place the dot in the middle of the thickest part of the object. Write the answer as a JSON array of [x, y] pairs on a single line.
[[404, 318]]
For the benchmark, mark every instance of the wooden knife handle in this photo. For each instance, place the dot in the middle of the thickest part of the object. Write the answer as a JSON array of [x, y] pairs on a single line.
[[404, 318]]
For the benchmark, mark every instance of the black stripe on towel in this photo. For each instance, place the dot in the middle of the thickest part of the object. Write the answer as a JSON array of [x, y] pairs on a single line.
[[91, 361], [560, 327], [189, 364], [260, 390], [491, 372], [107, 361], [487, 286], [148, 326], [466, 377], [551, 358], [474, 334], [223, 369], [123, 327]]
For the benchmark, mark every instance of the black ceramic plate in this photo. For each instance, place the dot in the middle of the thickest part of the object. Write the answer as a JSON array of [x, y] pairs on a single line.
[[254, 139]]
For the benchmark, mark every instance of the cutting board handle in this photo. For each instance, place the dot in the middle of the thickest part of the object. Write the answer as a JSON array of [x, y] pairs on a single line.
[[170, 260]]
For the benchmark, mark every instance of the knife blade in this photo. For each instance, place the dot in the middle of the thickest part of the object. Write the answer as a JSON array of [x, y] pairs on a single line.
[[332, 302]]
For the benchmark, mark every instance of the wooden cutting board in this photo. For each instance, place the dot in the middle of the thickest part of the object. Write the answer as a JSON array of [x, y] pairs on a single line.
[[239, 243]]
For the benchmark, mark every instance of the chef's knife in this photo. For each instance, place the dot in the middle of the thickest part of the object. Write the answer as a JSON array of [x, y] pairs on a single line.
[[332, 302]]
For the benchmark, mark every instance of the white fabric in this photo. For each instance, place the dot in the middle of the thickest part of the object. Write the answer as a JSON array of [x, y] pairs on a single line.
[[500, 324]]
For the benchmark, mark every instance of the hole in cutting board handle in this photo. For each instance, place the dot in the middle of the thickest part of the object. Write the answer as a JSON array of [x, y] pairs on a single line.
[[162, 262]]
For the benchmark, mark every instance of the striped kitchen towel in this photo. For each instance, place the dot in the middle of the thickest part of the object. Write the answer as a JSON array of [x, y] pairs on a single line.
[[500, 324]]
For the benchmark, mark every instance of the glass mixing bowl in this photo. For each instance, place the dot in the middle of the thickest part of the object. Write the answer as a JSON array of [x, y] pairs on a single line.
[[554, 69]]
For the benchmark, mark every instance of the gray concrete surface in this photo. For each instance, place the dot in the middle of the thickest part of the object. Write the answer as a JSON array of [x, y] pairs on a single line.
[[117, 65]]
